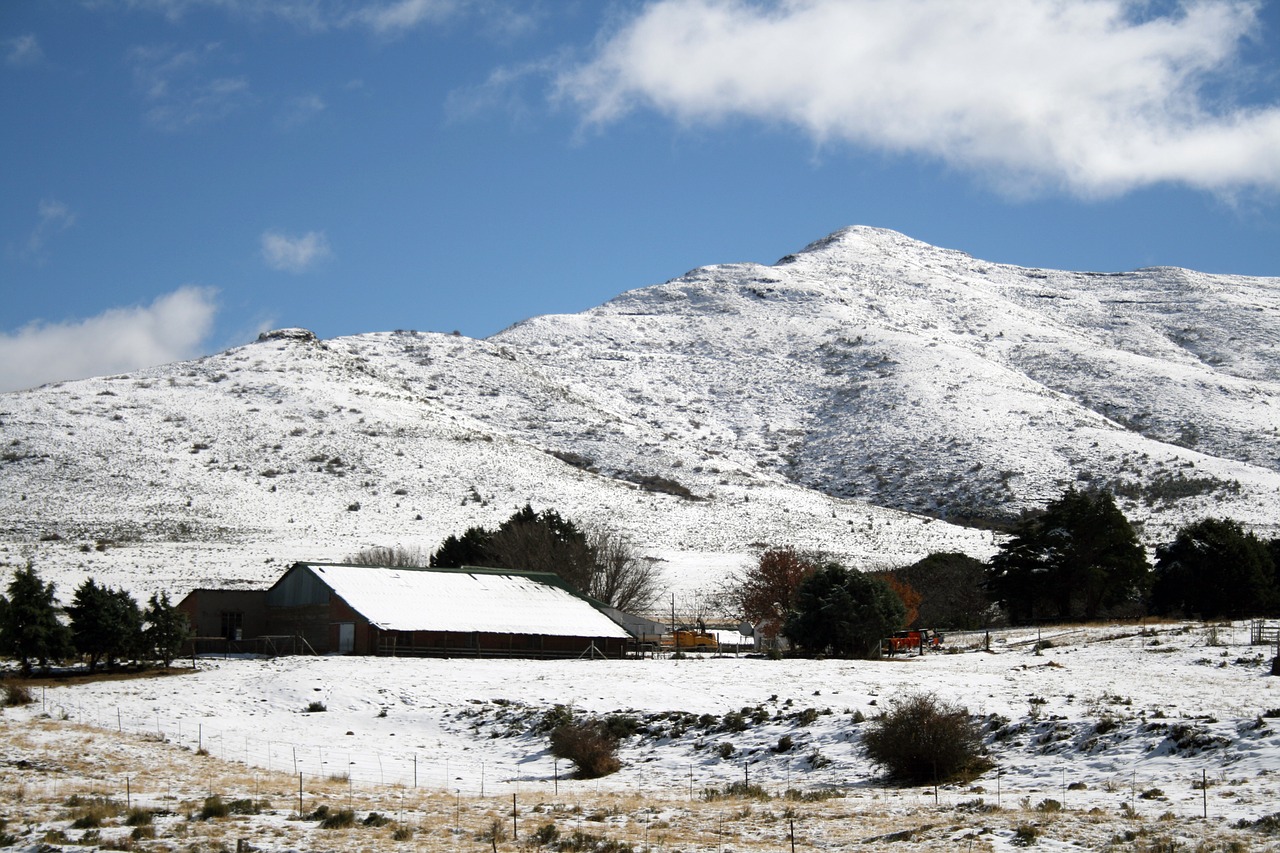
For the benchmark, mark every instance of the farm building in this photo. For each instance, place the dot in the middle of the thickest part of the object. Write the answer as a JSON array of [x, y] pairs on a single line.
[[374, 610]]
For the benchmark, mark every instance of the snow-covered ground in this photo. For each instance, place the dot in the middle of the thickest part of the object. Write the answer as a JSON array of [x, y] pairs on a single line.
[[1125, 719]]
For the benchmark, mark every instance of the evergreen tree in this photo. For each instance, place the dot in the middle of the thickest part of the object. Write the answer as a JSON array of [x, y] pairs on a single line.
[[1075, 559], [844, 612], [543, 542], [1214, 569], [598, 562], [952, 594], [167, 629], [471, 549], [29, 626], [128, 619], [91, 631], [106, 624]]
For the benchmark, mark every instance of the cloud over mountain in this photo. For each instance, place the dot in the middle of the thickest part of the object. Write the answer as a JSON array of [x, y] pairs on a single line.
[[1097, 98], [175, 326]]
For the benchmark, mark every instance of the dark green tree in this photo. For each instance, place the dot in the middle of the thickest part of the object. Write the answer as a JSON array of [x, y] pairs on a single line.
[[952, 591], [1214, 569], [470, 549], [1077, 558], [167, 629], [106, 624], [544, 542], [843, 612], [29, 626], [596, 562], [91, 629]]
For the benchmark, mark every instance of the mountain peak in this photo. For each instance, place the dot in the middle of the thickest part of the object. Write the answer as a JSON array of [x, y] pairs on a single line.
[[864, 240]]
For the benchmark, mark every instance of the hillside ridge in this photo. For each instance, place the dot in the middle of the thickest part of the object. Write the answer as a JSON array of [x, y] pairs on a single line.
[[857, 397]]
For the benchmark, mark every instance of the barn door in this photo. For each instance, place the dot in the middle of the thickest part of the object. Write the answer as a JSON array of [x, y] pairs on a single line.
[[346, 637]]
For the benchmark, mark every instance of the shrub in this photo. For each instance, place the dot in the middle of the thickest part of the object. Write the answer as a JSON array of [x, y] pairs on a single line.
[[214, 807], [724, 749], [92, 812], [1025, 835], [139, 817], [784, 744], [589, 744], [316, 707], [16, 694], [922, 739], [341, 819], [376, 819], [735, 789]]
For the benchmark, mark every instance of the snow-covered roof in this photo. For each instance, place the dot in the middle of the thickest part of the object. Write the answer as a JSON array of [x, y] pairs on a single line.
[[483, 600]]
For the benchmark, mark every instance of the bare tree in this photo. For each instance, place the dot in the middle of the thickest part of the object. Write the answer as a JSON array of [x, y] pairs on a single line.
[[620, 577], [398, 555]]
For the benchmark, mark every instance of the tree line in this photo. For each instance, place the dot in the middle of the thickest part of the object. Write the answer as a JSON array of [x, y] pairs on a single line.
[[106, 626], [1077, 559]]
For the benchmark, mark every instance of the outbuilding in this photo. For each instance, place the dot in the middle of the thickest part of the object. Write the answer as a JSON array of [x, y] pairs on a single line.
[[482, 612]]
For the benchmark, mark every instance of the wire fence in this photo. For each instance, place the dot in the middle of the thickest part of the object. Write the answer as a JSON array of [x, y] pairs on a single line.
[[1184, 793]]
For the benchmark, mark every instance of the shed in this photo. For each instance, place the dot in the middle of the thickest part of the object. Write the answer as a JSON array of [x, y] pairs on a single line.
[[229, 614], [380, 610]]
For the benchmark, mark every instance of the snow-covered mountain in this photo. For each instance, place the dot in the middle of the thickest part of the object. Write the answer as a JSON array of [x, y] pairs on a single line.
[[856, 397]]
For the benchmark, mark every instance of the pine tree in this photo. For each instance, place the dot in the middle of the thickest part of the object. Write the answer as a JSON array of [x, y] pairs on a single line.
[[470, 549], [90, 621], [167, 629], [844, 612], [1077, 558], [106, 624], [1212, 569], [29, 626]]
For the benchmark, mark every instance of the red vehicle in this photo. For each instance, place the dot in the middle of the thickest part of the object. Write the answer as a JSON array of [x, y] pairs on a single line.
[[918, 640]]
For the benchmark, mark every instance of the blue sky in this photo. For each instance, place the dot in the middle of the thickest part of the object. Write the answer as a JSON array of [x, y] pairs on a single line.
[[181, 174]]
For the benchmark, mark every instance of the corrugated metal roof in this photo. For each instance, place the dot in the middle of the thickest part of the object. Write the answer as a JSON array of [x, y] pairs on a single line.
[[397, 599]]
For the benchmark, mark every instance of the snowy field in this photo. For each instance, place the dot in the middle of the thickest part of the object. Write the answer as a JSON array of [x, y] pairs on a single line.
[[1120, 725]]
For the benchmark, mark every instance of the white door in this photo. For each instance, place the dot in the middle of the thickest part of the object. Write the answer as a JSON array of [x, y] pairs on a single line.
[[346, 637]]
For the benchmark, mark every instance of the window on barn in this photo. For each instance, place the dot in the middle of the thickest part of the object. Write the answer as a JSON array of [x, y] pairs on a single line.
[[233, 624]]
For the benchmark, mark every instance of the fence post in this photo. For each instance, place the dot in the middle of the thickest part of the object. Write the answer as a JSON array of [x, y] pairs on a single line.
[[515, 828], [1204, 791], [299, 795]]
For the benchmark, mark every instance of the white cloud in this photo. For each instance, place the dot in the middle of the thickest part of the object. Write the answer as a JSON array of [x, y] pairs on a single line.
[[402, 15], [22, 50], [294, 254], [300, 110], [53, 217], [384, 17], [173, 327], [1095, 96], [179, 92]]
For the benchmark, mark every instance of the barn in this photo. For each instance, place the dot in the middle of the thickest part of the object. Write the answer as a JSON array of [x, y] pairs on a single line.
[[378, 610]]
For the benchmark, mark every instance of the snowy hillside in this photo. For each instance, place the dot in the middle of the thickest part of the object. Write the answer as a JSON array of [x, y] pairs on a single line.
[[808, 403]]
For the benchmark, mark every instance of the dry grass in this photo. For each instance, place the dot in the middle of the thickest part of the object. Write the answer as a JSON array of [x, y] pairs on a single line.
[[82, 773]]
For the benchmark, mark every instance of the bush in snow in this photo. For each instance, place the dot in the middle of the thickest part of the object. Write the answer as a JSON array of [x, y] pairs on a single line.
[[922, 739], [589, 744]]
